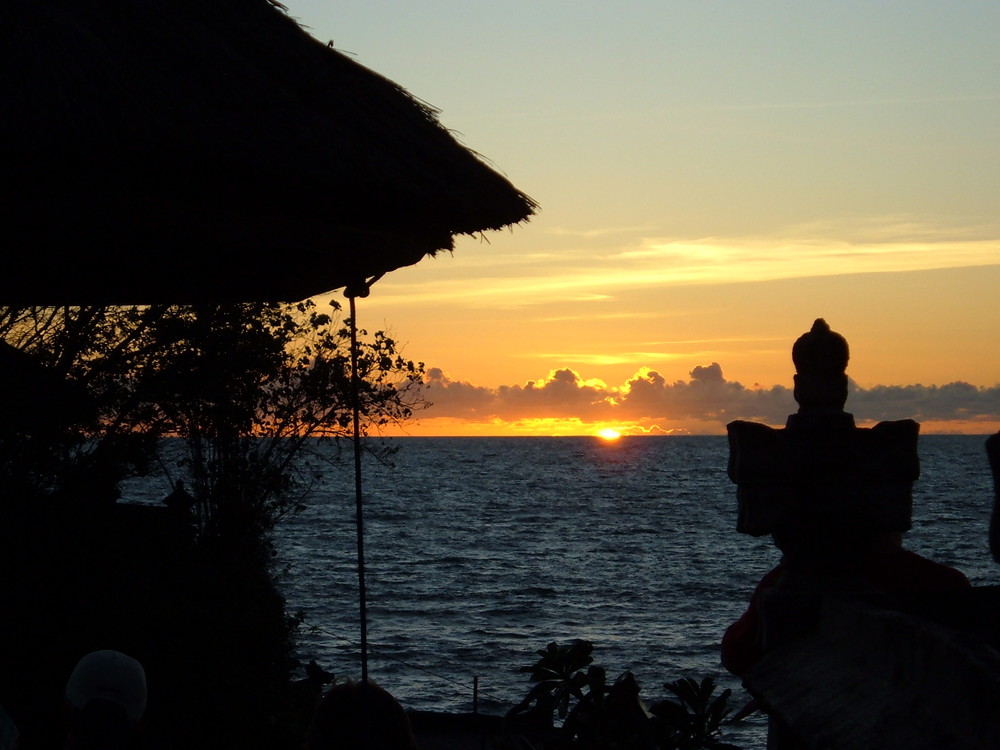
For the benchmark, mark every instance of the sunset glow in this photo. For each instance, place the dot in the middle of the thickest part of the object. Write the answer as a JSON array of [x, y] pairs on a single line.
[[607, 433], [710, 181]]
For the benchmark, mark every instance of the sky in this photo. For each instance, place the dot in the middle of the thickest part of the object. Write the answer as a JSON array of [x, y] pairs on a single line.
[[711, 178]]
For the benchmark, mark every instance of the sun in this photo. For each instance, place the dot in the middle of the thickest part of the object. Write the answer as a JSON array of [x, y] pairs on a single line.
[[608, 434]]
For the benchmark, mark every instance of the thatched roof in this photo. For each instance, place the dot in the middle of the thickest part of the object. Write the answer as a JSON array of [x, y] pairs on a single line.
[[211, 150]]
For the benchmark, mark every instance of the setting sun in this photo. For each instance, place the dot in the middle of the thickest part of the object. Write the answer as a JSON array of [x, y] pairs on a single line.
[[608, 434]]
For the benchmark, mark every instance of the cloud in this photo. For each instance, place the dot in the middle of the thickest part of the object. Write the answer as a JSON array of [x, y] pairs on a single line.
[[890, 244], [705, 402], [952, 402], [595, 232], [452, 398], [879, 102], [710, 374], [727, 260], [607, 359]]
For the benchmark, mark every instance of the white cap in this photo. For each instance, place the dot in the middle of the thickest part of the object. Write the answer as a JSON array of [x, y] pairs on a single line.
[[110, 675]]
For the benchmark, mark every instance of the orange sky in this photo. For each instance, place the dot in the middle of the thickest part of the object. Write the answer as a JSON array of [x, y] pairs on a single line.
[[529, 372], [711, 180]]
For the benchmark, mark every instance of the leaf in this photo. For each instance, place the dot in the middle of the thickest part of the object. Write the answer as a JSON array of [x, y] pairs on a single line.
[[705, 690], [674, 713], [719, 709]]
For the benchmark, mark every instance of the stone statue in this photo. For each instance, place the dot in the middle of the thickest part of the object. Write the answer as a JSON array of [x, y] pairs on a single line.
[[821, 485], [836, 499]]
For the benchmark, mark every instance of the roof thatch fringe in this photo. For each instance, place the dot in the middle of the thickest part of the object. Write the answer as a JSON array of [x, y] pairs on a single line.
[[180, 149]]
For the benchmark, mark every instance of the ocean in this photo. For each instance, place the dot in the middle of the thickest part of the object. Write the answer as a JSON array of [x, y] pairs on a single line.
[[480, 551]]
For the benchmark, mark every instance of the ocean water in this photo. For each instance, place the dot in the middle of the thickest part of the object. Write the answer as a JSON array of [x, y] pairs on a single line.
[[480, 551]]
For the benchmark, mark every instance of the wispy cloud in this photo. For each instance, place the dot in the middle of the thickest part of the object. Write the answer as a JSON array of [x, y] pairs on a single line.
[[866, 245], [598, 232], [717, 260], [590, 316], [720, 341], [620, 358], [890, 228], [841, 103]]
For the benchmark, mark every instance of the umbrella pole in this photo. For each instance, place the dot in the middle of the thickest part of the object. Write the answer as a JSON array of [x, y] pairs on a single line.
[[358, 497]]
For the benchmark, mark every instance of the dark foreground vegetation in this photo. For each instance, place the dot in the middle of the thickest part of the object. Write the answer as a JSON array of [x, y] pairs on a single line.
[[574, 705], [88, 394]]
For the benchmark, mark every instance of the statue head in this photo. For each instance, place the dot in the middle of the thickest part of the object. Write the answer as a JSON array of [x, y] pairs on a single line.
[[820, 358]]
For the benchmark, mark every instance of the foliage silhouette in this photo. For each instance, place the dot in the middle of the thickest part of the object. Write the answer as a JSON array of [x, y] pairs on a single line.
[[251, 394], [598, 715], [695, 721], [252, 390], [557, 678]]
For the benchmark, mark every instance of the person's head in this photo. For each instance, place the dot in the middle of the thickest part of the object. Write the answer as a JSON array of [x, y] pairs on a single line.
[[355, 715], [106, 699]]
